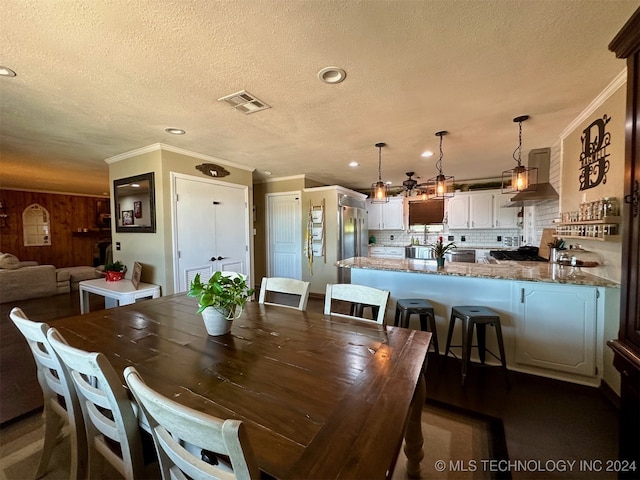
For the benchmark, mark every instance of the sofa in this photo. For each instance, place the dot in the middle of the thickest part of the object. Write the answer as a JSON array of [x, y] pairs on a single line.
[[27, 280]]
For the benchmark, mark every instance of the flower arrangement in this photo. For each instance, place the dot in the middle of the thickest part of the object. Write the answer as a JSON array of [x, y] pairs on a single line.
[[114, 271], [439, 248]]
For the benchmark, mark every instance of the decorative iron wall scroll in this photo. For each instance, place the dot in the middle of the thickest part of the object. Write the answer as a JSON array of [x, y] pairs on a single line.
[[594, 163]]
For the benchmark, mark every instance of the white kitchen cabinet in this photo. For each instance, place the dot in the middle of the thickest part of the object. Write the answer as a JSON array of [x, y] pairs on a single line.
[[556, 327], [458, 211], [504, 217], [386, 216], [386, 252], [481, 210], [470, 210]]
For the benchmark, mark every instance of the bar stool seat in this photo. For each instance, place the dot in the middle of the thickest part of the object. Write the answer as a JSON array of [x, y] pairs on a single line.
[[479, 317], [405, 307]]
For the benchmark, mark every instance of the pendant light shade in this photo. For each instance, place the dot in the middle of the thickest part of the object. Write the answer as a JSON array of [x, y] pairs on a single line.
[[519, 178], [380, 190], [440, 186]]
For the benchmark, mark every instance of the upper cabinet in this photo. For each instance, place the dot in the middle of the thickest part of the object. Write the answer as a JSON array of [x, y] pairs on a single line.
[[505, 217], [458, 211], [480, 210], [386, 216]]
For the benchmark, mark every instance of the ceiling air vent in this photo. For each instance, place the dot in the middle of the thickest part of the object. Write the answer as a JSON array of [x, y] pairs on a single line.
[[244, 102]]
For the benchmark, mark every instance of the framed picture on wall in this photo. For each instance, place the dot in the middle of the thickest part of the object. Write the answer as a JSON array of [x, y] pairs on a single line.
[[127, 217], [137, 209]]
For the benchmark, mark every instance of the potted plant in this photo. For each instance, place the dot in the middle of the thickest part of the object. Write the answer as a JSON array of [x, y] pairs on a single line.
[[220, 300], [114, 271], [439, 249]]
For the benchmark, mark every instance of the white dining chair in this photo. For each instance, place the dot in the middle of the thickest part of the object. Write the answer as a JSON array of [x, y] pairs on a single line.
[[290, 286], [108, 413], [56, 383], [356, 294], [173, 426]]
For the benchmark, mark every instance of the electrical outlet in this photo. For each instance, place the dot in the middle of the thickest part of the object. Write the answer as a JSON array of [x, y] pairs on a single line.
[[450, 238], [463, 238], [391, 237], [117, 245], [499, 238]]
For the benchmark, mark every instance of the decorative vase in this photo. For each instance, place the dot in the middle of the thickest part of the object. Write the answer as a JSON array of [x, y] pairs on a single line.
[[215, 322], [440, 261], [111, 276]]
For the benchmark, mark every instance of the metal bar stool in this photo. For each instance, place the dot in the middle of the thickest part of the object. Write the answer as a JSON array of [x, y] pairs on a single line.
[[479, 317], [405, 307]]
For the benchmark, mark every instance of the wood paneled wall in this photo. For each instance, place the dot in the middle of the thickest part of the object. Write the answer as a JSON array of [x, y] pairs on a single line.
[[68, 214]]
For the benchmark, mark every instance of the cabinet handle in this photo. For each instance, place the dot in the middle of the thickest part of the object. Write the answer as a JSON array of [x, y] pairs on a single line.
[[522, 295], [633, 198]]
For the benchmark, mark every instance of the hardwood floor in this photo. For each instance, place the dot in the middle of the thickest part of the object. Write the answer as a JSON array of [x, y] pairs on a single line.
[[543, 419]]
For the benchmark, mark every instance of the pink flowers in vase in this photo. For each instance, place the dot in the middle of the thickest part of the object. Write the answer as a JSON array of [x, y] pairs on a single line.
[[439, 248]]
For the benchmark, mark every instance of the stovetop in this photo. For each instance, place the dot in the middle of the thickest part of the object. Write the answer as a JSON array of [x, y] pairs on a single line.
[[516, 256]]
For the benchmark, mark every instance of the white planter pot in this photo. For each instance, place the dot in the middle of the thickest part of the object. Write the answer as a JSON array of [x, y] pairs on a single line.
[[215, 322]]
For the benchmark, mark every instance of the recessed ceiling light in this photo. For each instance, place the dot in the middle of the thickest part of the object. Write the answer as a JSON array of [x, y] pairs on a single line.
[[7, 72], [389, 183], [427, 154], [332, 75], [354, 164], [175, 131]]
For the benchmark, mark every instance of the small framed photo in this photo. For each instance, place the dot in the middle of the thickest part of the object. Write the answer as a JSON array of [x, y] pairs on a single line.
[[127, 217], [135, 276], [137, 209]]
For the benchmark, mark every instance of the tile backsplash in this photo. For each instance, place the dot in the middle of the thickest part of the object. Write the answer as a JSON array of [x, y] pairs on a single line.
[[490, 238]]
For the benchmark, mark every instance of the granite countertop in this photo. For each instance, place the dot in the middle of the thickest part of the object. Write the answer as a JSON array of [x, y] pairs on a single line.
[[525, 271]]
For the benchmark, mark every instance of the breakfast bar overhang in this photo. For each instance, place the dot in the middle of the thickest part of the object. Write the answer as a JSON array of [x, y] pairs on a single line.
[[555, 320]]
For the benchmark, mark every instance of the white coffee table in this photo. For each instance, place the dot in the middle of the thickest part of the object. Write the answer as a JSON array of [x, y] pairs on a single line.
[[117, 293]]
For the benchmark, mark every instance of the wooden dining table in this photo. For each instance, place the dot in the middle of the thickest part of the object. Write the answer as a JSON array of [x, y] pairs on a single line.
[[321, 396]]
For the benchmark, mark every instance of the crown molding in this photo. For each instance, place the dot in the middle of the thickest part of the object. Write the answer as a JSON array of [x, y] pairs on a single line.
[[181, 151], [616, 83]]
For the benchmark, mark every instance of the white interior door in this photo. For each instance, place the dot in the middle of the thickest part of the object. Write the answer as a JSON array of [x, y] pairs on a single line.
[[284, 237], [211, 229]]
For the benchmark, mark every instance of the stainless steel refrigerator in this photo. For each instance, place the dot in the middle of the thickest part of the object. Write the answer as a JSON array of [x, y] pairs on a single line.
[[353, 232]]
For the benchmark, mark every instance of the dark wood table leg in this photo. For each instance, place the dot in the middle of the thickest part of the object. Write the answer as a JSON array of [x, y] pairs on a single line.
[[414, 440]]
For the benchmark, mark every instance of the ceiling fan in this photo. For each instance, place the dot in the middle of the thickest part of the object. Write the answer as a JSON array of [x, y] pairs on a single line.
[[410, 183]]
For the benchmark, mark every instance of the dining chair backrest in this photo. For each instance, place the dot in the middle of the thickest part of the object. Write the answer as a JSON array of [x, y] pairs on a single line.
[[173, 425], [289, 286], [361, 294], [107, 410], [56, 383]]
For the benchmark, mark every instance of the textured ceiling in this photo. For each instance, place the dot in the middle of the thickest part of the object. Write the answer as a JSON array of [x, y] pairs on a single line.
[[99, 78]]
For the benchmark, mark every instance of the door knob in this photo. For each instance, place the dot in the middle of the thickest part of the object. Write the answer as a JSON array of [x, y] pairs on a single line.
[[213, 259]]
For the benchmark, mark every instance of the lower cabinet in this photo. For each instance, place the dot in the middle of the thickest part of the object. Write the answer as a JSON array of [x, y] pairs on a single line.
[[556, 327], [386, 252]]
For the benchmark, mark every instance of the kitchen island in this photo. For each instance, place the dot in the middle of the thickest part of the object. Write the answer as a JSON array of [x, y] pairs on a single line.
[[555, 320]]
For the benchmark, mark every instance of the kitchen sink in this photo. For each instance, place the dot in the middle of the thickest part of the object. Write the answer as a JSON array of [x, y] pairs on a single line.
[[418, 251]]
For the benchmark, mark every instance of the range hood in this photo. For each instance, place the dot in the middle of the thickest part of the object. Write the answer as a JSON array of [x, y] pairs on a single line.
[[540, 158]]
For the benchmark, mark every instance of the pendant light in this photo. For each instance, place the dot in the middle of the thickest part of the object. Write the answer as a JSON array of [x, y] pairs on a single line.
[[440, 186], [519, 178], [380, 190]]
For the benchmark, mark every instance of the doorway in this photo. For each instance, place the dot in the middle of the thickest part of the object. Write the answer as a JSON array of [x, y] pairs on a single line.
[[210, 230], [284, 244]]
